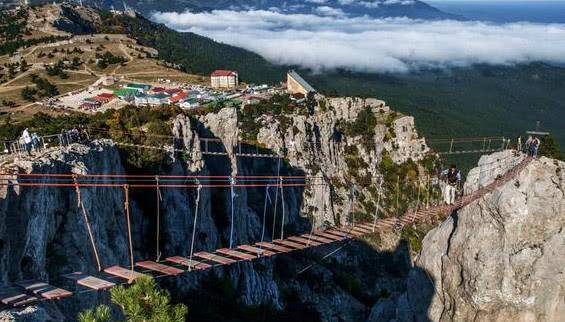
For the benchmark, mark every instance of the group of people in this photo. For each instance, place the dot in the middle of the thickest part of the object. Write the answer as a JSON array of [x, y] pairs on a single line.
[[74, 135], [31, 141], [532, 145]]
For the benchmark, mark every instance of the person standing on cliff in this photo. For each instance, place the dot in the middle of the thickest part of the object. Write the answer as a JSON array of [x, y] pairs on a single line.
[[27, 141], [453, 176]]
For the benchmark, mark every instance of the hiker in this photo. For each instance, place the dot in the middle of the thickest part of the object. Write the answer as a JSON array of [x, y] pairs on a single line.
[[27, 141], [534, 146], [528, 144], [453, 176], [35, 141], [519, 143]]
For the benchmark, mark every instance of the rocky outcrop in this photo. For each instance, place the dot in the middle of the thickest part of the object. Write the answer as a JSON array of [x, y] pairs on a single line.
[[499, 258], [48, 238]]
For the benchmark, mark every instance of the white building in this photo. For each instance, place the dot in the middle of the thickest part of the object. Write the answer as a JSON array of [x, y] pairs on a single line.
[[224, 79]]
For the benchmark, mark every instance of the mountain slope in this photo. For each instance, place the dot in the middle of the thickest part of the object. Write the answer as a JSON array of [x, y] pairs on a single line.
[[374, 8], [196, 54]]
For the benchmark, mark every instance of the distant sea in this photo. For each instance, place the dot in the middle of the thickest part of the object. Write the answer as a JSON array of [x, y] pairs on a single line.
[[506, 11]]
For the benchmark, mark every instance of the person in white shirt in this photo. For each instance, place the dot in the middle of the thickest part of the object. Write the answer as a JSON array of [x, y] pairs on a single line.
[[453, 176], [27, 141]]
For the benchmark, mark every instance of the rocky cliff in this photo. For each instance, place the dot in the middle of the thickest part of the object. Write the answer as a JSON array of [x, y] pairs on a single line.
[[47, 237], [498, 259]]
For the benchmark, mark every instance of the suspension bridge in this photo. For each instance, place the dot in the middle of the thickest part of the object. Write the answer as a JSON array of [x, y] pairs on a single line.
[[110, 274]]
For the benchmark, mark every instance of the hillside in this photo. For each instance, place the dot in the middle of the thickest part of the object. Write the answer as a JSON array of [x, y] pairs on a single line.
[[375, 8]]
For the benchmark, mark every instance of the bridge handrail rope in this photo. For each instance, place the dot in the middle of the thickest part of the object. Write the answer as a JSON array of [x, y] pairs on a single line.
[[276, 201], [232, 198], [267, 200], [158, 224], [128, 222], [196, 208], [282, 204], [80, 205]]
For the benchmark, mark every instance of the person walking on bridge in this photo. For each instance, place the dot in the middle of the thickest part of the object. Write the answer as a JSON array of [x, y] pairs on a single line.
[[453, 176]]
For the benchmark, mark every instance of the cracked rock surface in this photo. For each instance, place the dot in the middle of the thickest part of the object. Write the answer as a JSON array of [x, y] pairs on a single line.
[[502, 257]]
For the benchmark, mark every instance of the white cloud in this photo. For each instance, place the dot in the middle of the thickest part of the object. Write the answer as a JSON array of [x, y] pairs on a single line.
[[368, 44], [328, 11]]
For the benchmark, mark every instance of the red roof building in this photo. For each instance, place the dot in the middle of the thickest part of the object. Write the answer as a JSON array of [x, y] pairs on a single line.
[[223, 72], [178, 97], [224, 79]]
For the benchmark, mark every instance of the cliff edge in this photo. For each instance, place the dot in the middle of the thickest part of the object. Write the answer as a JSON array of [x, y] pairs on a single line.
[[501, 257]]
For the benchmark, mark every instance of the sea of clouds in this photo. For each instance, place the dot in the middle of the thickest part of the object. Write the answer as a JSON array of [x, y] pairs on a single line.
[[329, 39]]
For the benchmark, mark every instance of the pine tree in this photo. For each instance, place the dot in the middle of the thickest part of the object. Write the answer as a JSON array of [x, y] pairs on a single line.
[[100, 314], [141, 302]]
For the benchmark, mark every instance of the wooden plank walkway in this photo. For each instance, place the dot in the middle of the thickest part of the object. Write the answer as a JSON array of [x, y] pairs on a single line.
[[44, 290], [91, 282], [192, 264], [278, 248], [255, 250], [123, 273], [160, 268], [15, 297], [215, 258], [236, 254]]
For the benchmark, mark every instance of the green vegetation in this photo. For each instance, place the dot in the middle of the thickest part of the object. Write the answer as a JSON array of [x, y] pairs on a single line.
[[43, 88], [13, 29], [277, 106], [550, 148], [100, 314], [106, 59], [143, 125], [142, 301], [364, 126]]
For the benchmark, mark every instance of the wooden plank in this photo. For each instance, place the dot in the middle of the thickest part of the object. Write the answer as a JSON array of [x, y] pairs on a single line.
[[157, 267], [338, 233], [304, 241], [363, 230], [123, 273], [255, 250], [92, 282], [278, 248], [44, 290], [350, 232], [15, 297], [215, 258], [318, 238], [194, 264], [236, 254], [329, 236], [289, 243]]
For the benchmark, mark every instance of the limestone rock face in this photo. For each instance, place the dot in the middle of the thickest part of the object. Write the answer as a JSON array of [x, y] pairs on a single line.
[[48, 238], [500, 258], [406, 144]]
